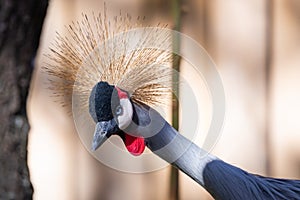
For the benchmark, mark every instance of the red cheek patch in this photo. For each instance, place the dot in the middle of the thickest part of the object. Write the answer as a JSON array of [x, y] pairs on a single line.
[[135, 145], [121, 94]]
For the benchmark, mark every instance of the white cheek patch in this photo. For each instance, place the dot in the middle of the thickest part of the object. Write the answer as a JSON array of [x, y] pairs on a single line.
[[126, 117]]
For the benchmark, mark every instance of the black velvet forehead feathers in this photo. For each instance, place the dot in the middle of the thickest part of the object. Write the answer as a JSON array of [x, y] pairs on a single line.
[[102, 100]]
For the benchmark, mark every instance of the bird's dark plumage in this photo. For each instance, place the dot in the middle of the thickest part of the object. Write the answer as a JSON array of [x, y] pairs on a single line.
[[102, 101], [225, 182]]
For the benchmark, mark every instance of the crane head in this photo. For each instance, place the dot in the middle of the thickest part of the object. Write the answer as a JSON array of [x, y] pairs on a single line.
[[112, 110]]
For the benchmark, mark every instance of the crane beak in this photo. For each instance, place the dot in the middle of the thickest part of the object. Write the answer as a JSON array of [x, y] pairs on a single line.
[[102, 132]]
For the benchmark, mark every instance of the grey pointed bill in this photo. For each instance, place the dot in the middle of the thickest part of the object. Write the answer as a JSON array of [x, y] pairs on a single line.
[[102, 132]]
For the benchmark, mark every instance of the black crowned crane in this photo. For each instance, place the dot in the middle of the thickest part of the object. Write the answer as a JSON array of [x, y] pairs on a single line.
[[119, 81]]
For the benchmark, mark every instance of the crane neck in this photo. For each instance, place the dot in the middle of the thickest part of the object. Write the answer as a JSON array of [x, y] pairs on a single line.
[[164, 141], [176, 149]]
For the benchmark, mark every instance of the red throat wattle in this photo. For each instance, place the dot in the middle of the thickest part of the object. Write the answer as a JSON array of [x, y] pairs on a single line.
[[135, 145]]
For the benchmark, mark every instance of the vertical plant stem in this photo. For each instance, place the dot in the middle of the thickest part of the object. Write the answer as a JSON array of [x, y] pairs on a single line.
[[269, 36], [176, 9]]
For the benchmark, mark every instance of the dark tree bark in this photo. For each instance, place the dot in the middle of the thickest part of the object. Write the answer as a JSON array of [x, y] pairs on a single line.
[[20, 27]]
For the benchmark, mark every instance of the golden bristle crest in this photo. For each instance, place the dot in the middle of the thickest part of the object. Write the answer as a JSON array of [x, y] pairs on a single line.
[[119, 51]]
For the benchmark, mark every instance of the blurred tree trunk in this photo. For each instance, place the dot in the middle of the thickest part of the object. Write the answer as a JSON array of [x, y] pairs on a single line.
[[20, 28]]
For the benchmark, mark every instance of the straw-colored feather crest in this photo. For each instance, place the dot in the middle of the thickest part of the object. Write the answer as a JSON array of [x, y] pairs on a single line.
[[117, 51]]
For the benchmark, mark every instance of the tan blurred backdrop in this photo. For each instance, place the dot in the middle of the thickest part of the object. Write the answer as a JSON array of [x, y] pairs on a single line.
[[235, 34]]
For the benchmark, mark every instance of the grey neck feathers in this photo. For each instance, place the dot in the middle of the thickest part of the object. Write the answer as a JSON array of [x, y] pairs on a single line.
[[174, 148], [163, 140]]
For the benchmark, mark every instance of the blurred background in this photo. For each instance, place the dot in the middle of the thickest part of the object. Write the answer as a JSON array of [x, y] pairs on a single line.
[[256, 47]]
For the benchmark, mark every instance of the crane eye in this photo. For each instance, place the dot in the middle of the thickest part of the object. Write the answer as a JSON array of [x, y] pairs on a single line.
[[123, 113], [119, 110]]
